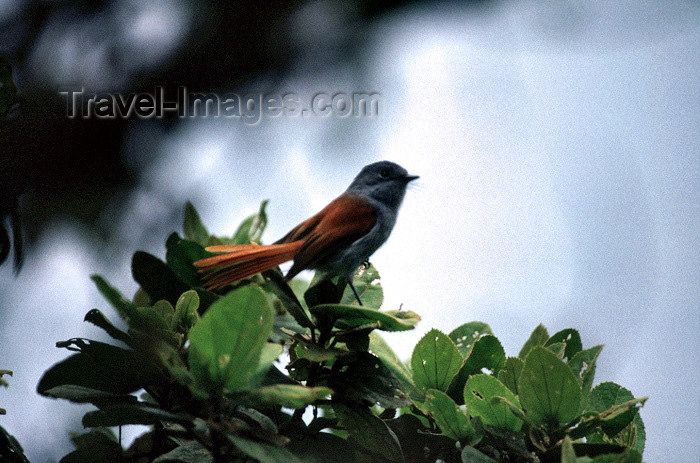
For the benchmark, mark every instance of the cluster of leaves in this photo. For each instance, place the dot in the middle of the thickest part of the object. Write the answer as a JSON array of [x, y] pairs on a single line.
[[537, 407], [203, 370]]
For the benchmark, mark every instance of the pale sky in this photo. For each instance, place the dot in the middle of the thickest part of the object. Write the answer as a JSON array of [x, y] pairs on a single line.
[[558, 149]]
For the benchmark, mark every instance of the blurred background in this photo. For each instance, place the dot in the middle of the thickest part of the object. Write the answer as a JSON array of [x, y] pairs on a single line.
[[558, 145]]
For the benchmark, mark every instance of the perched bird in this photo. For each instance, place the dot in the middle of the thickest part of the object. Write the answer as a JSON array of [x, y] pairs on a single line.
[[336, 241]]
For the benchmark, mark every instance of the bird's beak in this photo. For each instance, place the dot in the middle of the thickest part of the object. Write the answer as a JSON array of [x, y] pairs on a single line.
[[410, 178]]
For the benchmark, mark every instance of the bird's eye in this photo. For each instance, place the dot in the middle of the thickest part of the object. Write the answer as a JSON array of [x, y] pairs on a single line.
[[384, 173]]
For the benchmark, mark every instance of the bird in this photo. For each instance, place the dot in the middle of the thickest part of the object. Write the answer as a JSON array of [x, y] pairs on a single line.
[[336, 241]]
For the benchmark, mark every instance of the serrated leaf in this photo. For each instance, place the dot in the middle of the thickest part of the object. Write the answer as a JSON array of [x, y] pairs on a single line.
[[369, 288], [485, 353], [618, 415], [583, 366], [291, 395], [510, 373], [549, 391], [465, 335], [571, 338], [538, 338], [226, 344], [452, 421], [557, 349], [370, 432], [193, 227], [479, 392], [435, 361]]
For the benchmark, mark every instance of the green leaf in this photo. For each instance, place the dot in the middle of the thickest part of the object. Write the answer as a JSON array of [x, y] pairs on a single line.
[[101, 366], [538, 338], [277, 285], [166, 310], [154, 324], [186, 315], [583, 366], [557, 349], [465, 335], [452, 421], [322, 447], [324, 290], [603, 397], [97, 445], [10, 445], [510, 373], [82, 394], [370, 432], [264, 453], [435, 361], [156, 278], [486, 353], [379, 347], [189, 452], [252, 228], [549, 391], [193, 227], [123, 306], [568, 455], [472, 455], [626, 456], [314, 353], [139, 413], [291, 395], [269, 353], [618, 415], [361, 377], [369, 288], [180, 255], [98, 319], [479, 392], [570, 338], [226, 344], [351, 316]]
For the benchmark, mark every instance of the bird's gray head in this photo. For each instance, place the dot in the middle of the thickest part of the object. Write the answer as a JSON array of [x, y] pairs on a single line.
[[383, 181]]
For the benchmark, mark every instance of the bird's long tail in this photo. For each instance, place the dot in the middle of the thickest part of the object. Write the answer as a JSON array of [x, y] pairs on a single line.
[[241, 261]]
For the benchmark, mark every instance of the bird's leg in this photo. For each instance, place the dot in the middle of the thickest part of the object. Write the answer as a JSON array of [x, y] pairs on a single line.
[[354, 290]]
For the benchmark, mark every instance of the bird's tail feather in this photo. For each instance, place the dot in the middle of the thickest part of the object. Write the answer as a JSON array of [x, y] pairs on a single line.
[[241, 261]]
